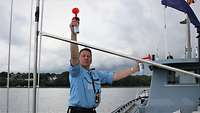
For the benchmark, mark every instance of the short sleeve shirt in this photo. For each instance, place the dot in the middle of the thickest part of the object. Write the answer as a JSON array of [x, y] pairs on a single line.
[[82, 90]]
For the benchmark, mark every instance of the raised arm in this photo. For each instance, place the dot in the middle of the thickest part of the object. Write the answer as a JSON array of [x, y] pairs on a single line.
[[74, 47], [125, 73]]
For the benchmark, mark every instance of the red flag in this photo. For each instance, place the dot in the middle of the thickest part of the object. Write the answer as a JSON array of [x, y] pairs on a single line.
[[147, 57]]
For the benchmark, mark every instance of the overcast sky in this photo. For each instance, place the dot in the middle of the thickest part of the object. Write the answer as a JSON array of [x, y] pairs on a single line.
[[132, 27]]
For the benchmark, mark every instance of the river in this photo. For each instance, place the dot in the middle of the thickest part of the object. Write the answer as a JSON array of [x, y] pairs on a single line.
[[55, 100]]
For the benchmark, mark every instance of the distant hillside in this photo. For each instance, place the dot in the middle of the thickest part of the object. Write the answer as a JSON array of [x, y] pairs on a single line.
[[61, 80]]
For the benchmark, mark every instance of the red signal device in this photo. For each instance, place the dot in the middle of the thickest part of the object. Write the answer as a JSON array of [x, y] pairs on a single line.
[[75, 11]]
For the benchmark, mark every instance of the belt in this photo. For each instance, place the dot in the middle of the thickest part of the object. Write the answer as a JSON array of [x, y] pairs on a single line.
[[81, 109]]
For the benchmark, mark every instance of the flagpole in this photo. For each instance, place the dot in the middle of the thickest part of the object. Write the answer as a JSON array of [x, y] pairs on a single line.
[[37, 13]]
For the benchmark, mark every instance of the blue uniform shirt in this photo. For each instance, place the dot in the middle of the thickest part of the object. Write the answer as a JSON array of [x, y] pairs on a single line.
[[81, 87]]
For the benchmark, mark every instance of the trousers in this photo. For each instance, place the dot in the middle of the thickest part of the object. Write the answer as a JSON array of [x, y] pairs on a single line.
[[72, 109]]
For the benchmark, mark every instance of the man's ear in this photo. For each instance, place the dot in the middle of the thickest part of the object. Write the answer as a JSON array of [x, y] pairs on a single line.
[[91, 61]]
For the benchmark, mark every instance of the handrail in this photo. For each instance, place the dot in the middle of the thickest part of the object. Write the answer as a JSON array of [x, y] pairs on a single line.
[[126, 107], [119, 54]]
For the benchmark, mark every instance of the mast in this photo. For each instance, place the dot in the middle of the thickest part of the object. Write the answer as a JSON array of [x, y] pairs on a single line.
[[39, 53], [198, 48], [188, 48], [35, 53]]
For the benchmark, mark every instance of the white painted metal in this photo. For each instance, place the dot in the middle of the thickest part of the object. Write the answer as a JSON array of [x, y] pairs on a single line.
[[119, 54]]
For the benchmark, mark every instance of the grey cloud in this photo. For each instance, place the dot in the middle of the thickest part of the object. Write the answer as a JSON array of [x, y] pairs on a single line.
[[19, 26], [132, 27]]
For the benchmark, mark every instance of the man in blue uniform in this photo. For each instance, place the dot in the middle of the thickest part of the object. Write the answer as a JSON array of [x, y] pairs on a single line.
[[85, 83]]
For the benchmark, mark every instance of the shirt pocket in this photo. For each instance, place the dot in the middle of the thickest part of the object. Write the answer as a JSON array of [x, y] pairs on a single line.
[[97, 85], [88, 82]]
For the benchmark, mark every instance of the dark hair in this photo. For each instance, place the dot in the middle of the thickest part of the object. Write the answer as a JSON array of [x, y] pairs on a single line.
[[85, 49]]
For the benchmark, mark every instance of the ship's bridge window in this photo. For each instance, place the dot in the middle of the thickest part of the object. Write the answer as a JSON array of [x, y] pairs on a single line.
[[181, 79]]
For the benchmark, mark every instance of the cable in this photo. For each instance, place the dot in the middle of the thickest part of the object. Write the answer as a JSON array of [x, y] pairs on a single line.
[[9, 52]]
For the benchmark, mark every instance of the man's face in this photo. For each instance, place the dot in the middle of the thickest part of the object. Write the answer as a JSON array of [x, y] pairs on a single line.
[[85, 59]]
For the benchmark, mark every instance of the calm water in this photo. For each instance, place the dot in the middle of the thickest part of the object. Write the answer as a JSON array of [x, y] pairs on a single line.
[[55, 100]]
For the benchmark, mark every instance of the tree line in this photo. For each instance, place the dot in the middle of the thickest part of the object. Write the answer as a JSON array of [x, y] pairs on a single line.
[[62, 80]]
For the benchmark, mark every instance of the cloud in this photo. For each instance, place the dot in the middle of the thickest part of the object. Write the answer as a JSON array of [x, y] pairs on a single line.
[[20, 26], [131, 27]]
